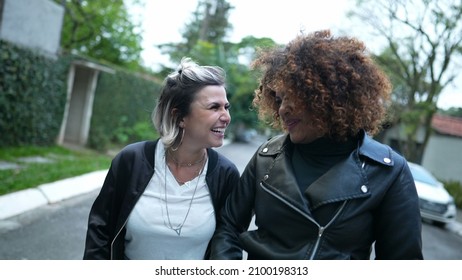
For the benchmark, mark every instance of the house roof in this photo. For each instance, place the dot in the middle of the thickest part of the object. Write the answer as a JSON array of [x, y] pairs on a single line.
[[447, 125]]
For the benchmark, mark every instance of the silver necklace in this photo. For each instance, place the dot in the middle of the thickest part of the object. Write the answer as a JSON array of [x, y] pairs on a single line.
[[198, 170], [179, 227], [188, 164]]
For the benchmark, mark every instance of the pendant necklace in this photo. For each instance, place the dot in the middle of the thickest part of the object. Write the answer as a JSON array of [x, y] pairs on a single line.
[[179, 227], [189, 164]]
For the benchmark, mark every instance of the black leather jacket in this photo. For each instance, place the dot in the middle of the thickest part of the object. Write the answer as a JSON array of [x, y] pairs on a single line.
[[129, 174], [370, 197]]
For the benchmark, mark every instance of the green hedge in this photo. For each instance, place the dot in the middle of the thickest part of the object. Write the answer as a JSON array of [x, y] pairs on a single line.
[[122, 109], [33, 91], [32, 96], [455, 189]]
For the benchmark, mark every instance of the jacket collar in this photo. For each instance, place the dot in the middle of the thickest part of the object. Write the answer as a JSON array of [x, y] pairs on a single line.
[[368, 147], [347, 180], [376, 151]]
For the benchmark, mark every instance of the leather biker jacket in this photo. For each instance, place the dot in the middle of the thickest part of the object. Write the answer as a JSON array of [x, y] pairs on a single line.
[[367, 200], [127, 178]]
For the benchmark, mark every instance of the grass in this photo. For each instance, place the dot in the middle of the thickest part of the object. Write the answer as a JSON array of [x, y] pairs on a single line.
[[62, 163]]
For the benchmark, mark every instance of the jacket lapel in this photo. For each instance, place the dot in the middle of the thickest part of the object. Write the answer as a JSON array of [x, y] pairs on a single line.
[[345, 181], [278, 175]]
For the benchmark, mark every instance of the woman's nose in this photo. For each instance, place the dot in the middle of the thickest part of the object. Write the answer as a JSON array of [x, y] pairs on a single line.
[[226, 116], [284, 107]]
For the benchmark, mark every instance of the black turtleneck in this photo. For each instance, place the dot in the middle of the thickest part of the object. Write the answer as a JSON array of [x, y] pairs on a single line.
[[311, 161]]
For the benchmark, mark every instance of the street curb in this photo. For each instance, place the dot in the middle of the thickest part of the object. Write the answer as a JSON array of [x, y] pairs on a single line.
[[70, 187], [455, 227], [22, 201]]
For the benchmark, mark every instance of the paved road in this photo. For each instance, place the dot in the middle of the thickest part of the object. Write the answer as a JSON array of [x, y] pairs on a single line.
[[57, 231]]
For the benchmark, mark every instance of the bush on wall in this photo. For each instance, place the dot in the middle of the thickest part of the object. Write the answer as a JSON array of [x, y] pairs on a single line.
[[32, 96], [122, 109], [455, 189], [33, 91]]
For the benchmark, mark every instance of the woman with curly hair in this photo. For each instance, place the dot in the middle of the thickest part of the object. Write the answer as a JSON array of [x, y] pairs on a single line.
[[325, 189]]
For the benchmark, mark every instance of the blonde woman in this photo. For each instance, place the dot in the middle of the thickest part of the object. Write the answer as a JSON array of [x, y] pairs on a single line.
[[161, 199]]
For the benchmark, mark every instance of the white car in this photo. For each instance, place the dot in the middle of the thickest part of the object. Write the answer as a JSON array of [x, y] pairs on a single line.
[[436, 204]]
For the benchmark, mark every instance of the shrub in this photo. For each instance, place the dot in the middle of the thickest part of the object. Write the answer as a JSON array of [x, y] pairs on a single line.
[[455, 189], [32, 96]]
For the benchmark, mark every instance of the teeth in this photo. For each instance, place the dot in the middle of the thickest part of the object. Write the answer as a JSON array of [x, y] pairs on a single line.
[[219, 130]]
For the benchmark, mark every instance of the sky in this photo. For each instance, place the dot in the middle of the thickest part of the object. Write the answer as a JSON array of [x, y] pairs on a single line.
[[280, 20]]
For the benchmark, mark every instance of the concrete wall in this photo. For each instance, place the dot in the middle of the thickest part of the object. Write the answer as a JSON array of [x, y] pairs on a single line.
[[34, 24], [80, 105], [443, 157]]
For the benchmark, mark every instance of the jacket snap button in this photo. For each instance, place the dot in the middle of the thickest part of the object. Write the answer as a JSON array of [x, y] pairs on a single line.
[[364, 189], [265, 177], [265, 150], [387, 160]]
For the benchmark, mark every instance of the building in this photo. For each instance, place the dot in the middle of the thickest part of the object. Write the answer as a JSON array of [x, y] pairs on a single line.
[[443, 154]]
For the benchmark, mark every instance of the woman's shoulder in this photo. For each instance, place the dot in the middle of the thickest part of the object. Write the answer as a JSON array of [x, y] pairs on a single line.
[[381, 152], [273, 145], [141, 148]]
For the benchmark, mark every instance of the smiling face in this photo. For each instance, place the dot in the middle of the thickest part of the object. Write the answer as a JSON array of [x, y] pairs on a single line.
[[297, 121], [208, 119]]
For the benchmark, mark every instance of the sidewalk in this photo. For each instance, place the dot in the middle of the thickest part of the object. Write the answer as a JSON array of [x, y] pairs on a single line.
[[22, 201]]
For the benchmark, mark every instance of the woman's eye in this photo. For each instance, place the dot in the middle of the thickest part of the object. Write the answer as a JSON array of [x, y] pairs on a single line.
[[278, 101]]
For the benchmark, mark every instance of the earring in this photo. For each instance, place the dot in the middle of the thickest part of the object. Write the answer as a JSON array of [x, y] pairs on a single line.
[[181, 141]]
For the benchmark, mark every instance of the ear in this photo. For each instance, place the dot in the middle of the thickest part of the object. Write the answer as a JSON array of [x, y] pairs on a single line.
[[174, 113]]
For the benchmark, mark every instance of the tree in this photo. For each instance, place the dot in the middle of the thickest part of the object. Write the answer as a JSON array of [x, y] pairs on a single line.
[[453, 112], [101, 30], [423, 41], [207, 30]]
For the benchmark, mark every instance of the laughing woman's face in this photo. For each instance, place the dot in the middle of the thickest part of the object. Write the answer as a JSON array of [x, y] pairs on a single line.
[[208, 118]]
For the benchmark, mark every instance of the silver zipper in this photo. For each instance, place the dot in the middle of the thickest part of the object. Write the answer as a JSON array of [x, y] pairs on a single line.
[[321, 229], [288, 204]]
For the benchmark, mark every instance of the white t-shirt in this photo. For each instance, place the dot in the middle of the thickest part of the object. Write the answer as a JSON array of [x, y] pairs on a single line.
[[148, 234]]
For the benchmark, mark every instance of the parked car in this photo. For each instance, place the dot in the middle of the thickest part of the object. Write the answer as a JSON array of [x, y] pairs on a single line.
[[436, 204]]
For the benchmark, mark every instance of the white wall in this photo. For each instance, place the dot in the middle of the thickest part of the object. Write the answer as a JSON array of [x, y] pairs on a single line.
[[443, 157], [32, 23]]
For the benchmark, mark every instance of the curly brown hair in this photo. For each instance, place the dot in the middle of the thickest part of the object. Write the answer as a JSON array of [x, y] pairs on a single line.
[[335, 79]]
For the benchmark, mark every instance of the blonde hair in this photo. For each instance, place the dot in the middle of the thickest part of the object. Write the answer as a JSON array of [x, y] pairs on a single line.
[[177, 93]]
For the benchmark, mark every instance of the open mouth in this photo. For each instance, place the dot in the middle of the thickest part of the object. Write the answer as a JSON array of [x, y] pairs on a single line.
[[220, 131]]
